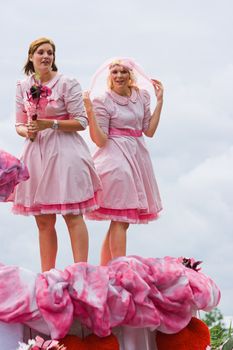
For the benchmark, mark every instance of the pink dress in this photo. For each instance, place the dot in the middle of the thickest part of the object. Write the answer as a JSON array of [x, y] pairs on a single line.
[[12, 172], [130, 193], [63, 179]]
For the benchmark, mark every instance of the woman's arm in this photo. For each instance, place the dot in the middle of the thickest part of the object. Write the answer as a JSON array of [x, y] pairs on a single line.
[[155, 117], [96, 133], [21, 126], [73, 103], [68, 125], [22, 130]]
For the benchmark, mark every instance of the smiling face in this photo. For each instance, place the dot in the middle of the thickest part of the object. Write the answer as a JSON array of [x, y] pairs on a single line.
[[43, 58], [119, 78]]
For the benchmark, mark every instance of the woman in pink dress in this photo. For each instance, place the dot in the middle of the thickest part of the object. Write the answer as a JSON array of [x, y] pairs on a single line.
[[117, 120], [63, 180]]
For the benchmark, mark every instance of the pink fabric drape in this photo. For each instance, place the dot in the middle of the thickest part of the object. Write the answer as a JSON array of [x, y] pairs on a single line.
[[131, 291]]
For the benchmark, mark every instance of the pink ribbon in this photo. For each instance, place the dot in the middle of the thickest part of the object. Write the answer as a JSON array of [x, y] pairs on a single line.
[[125, 132]]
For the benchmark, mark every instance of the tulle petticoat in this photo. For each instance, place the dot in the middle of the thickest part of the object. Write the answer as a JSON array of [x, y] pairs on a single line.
[[131, 216], [63, 209]]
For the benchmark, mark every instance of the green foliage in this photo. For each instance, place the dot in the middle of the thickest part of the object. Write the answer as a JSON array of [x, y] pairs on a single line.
[[214, 318], [218, 333], [228, 345], [218, 336]]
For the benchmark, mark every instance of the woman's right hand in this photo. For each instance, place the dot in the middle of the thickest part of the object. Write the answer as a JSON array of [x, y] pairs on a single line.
[[97, 135], [87, 103]]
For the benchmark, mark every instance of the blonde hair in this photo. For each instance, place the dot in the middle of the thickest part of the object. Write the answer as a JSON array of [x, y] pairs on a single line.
[[132, 77], [28, 67]]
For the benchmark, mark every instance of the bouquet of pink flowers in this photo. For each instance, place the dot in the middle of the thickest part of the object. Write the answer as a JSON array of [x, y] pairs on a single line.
[[38, 95], [37, 99], [40, 344]]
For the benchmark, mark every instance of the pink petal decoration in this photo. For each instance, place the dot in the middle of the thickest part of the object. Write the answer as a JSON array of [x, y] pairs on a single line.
[[12, 171]]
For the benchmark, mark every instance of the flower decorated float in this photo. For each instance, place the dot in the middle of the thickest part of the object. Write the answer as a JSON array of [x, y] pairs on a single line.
[[131, 298]]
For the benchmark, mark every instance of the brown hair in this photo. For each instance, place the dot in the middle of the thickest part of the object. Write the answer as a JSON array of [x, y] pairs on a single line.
[[132, 78], [28, 67]]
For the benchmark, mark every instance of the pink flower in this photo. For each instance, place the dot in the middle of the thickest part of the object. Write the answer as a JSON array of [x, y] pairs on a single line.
[[37, 92], [37, 99], [45, 91], [45, 344]]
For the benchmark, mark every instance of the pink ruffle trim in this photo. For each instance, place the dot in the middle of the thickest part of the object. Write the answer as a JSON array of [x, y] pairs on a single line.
[[132, 216], [64, 209]]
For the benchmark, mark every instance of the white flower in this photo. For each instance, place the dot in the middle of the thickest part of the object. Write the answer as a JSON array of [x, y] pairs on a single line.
[[23, 346], [31, 342], [28, 346]]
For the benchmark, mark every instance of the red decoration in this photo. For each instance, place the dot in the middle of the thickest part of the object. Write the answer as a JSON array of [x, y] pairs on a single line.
[[195, 336], [72, 342], [91, 342]]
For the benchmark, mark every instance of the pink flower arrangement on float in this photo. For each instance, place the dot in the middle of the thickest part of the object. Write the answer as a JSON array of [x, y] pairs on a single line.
[[40, 344], [190, 263]]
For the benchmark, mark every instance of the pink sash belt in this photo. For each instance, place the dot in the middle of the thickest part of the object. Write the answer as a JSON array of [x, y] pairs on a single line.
[[125, 132]]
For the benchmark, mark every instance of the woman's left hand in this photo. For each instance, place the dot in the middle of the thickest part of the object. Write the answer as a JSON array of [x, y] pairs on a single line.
[[158, 86], [32, 127]]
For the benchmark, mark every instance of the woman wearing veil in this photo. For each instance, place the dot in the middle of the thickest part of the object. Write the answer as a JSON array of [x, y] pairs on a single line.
[[118, 118]]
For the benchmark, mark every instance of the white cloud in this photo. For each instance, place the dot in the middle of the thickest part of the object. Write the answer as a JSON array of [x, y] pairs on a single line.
[[210, 183]]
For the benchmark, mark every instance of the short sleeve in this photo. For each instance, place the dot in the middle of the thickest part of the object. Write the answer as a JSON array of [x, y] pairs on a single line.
[[102, 114], [74, 102], [147, 112], [21, 114]]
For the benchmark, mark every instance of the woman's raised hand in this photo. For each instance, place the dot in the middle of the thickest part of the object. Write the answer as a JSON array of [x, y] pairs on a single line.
[[87, 103], [158, 86]]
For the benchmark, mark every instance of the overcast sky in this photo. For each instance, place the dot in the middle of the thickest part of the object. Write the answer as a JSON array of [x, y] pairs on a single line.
[[187, 44]]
